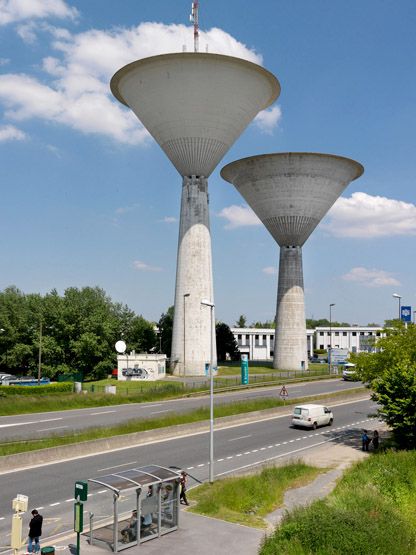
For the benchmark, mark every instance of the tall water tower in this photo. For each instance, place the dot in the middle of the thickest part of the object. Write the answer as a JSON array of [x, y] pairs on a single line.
[[290, 193], [195, 105]]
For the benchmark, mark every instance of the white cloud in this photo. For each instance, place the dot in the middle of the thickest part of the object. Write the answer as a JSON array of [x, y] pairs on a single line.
[[370, 277], [239, 216], [267, 120], [143, 267], [19, 10], [126, 209], [169, 220], [4, 61], [27, 32], [11, 133], [364, 216], [75, 91], [270, 271]]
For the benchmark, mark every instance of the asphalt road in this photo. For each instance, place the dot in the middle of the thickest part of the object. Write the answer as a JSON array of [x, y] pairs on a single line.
[[31, 426], [50, 488]]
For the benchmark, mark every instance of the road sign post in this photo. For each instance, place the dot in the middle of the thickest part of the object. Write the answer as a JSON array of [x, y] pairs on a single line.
[[284, 394], [81, 494]]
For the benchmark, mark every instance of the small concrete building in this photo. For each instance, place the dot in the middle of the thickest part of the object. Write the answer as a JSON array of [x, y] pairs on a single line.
[[141, 367]]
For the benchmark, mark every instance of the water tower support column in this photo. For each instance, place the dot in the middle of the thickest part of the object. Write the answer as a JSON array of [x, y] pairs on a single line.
[[193, 277]]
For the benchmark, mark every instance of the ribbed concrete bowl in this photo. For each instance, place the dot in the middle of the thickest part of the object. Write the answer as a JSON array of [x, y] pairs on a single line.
[[291, 192], [195, 105]]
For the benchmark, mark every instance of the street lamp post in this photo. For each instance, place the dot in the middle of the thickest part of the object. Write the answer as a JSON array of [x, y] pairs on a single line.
[[40, 352], [184, 329], [211, 305], [330, 336], [399, 298]]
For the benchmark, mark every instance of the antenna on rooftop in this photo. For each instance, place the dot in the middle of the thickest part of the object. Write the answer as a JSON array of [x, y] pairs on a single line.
[[194, 18]]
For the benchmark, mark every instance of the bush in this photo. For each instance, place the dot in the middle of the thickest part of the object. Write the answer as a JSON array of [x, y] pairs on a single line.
[[53, 388]]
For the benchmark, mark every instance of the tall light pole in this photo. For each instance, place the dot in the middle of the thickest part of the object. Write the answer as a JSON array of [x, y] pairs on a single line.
[[40, 352], [184, 329], [330, 336], [399, 298], [211, 305]]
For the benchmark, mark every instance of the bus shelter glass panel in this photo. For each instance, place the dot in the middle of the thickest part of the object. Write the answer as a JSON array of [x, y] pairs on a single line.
[[149, 513], [168, 506]]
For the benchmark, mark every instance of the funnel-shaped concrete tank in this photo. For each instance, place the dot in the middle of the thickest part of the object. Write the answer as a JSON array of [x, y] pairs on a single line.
[[195, 105], [291, 193]]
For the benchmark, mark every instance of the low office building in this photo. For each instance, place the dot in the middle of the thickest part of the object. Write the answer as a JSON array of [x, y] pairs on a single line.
[[258, 343], [141, 366]]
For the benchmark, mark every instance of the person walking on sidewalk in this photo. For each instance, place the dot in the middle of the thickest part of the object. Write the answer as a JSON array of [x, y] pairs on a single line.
[[35, 532], [365, 440], [183, 482]]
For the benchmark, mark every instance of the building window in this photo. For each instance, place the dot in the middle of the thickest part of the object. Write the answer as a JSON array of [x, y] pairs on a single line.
[[336, 333], [271, 338], [321, 346], [239, 337], [361, 333], [344, 333], [264, 339], [321, 333], [247, 339], [354, 333]]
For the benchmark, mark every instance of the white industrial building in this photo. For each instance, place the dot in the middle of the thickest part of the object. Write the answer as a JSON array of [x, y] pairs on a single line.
[[258, 343]]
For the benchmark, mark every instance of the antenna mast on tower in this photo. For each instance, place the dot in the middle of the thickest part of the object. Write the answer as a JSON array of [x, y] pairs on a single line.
[[194, 18]]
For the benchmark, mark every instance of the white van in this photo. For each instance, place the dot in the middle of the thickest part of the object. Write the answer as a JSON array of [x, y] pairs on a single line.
[[312, 416]]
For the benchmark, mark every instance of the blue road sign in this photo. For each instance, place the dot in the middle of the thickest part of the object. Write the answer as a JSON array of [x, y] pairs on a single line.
[[406, 313]]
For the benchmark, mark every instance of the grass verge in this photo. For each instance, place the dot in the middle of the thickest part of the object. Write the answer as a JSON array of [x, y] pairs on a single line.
[[248, 499], [10, 447], [370, 511]]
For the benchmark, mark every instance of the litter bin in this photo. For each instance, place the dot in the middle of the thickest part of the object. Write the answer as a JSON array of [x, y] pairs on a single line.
[[49, 550]]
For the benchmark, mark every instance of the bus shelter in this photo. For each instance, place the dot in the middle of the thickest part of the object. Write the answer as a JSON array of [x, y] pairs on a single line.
[[145, 505]]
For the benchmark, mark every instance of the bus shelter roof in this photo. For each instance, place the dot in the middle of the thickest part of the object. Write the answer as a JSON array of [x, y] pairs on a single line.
[[136, 478]]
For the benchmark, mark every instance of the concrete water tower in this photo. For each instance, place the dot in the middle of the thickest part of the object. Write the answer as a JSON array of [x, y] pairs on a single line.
[[291, 193], [195, 105]]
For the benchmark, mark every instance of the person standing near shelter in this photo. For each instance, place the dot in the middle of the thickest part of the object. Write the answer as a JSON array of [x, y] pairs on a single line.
[[35, 532], [375, 440], [365, 440], [183, 482]]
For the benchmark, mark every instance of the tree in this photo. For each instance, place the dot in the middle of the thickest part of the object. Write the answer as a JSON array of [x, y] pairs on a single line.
[[391, 374], [264, 325], [226, 343], [241, 322], [165, 328]]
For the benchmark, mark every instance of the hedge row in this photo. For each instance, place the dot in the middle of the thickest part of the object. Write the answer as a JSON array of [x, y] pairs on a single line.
[[64, 387]]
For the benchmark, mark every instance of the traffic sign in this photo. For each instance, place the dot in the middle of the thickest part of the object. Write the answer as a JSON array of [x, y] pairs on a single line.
[[81, 491], [406, 313], [284, 392]]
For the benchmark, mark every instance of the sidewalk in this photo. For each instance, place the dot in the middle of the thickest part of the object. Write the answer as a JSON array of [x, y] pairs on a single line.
[[204, 536]]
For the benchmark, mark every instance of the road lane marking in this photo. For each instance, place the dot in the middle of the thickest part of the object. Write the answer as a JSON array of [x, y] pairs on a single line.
[[102, 412], [159, 411], [30, 422], [54, 504], [219, 460], [241, 437], [69, 500], [118, 466], [54, 428]]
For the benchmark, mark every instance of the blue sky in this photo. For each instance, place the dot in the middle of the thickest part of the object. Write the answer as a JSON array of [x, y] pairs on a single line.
[[88, 198]]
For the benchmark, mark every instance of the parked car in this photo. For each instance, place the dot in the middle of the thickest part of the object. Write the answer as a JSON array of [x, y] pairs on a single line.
[[312, 416]]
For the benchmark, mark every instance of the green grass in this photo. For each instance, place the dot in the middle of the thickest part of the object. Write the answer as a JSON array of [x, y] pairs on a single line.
[[268, 370], [247, 500], [10, 447], [371, 511]]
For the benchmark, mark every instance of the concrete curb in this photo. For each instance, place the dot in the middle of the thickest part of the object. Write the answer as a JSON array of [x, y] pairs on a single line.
[[87, 448]]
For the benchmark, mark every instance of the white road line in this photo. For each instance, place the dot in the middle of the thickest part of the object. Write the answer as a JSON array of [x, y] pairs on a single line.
[[246, 452], [54, 504], [284, 443], [199, 465], [69, 500], [241, 437], [102, 491], [30, 422], [277, 444], [291, 440], [54, 428], [190, 468], [263, 448], [40, 508], [159, 411], [2, 517], [102, 412], [254, 450], [118, 466], [220, 460], [239, 454], [228, 458]]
